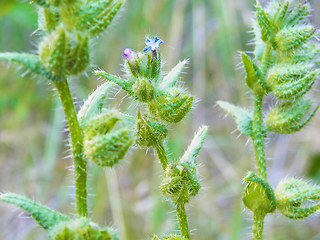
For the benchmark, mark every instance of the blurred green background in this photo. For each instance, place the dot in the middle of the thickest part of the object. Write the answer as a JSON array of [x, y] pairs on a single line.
[[34, 158]]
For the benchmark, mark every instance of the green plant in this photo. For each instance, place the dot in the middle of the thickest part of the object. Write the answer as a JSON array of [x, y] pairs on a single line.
[[284, 65], [100, 134]]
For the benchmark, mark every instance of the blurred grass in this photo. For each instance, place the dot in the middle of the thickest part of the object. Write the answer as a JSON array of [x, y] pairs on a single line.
[[33, 157]]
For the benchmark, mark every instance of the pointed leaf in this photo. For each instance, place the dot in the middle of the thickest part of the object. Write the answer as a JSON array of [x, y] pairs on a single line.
[[254, 78], [93, 105], [242, 117], [45, 216], [124, 84], [194, 148], [31, 62], [172, 77], [264, 23]]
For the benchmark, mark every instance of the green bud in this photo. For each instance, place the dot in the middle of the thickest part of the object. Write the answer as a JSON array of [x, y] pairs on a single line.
[[42, 3], [180, 182], [298, 13], [53, 51], [82, 229], [171, 106], [290, 117], [149, 132], [103, 146], [107, 150], [295, 198], [290, 38], [258, 196], [143, 90], [291, 81], [78, 56], [144, 66]]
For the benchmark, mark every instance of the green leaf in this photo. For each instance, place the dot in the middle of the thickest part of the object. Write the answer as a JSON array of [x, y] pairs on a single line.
[[264, 23], [31, 62], [93, 105], [242, 117], [194, 148], [172, 77], [254, 78], [46, 217], [124, 84]]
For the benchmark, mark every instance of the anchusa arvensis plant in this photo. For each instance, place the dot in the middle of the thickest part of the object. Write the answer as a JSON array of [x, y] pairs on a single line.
[[284, 65], [104, 135]]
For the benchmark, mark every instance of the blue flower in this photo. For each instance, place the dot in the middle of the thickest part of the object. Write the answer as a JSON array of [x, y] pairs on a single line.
[[152, 45]]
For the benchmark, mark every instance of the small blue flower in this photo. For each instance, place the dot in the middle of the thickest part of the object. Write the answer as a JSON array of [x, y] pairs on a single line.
[[152, 45]]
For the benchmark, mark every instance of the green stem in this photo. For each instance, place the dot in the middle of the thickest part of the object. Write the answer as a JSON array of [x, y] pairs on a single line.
[[80, 162], [257, 227], [161, 152], [266, 58], [183, 221], [258, 136]]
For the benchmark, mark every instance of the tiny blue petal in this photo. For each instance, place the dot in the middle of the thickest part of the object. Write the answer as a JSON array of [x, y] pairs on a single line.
[[152, 45]]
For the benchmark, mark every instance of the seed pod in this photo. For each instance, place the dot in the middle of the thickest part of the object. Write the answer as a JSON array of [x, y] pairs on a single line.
[[291, 38], [290, 117], [53, 51], [78, 56], [171, 106], [149, 133], [81, 229], [295, 198], [143, 90], [258, 196], [180, 182]]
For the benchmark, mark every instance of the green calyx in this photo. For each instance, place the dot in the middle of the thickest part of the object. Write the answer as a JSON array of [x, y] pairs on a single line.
[[149, 132], [258, 196], [295, 198], [290, 117], [180, 183], [103, 146], [81, 229], [171, 106]]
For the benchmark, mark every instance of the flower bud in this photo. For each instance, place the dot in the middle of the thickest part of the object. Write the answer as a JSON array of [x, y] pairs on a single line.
[[78, 56], [291, 81], [292, 38], [171, 106], [143, 90], [295, 198], [49, 19], [104, 145], [149, 133], [180, 182], [53, 51], [81, 229], [290, 117], [258, 196]]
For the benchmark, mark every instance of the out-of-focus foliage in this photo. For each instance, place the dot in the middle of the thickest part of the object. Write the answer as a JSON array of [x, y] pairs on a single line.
[[209, 33]]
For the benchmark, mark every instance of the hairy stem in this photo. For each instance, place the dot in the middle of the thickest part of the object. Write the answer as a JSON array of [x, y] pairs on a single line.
[[161, 152], [266, 58], [257, 227], [80, 162], [258, 136], [183, 221]]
